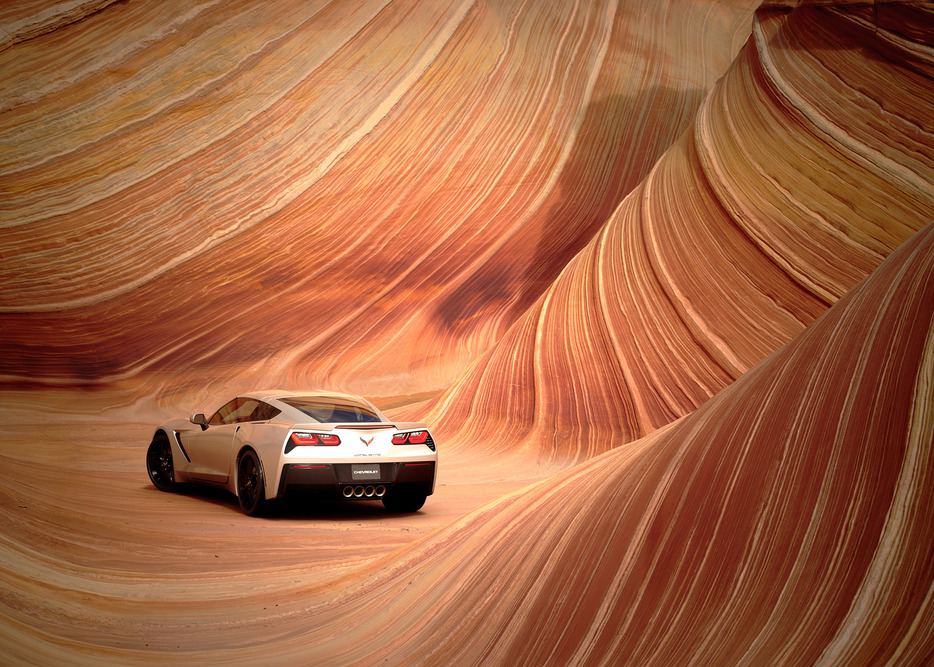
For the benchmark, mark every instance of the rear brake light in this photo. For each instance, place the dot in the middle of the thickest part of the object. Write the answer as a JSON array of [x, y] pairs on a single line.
[[413, 438], [305, 438], [302, 438]]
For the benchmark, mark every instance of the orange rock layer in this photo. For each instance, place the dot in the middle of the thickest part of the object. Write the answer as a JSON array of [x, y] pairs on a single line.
[[673, 262], [305, 193], [784, 520], [806, 165]]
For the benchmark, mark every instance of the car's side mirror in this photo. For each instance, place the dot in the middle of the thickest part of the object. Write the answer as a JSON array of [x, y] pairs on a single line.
[[199, 419]]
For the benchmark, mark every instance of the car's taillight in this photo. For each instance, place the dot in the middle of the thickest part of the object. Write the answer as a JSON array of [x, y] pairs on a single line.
[[414, 438], [303, 438], [418, 437]]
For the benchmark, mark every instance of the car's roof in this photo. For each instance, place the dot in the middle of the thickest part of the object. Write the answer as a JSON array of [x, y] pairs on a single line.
[[276, 395], [280, 398], [273, 394]]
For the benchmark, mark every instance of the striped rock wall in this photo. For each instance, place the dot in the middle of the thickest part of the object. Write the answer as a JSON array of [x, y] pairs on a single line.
[[659, 274]]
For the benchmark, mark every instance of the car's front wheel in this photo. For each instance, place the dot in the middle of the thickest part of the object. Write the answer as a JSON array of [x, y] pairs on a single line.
[[251, 487], [402, 500], [159, 463]]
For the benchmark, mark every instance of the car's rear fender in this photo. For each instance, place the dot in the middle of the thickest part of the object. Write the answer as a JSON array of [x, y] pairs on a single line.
[[232, 479], [267, 440]]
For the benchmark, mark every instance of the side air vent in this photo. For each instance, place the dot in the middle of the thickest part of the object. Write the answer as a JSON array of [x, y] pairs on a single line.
[[178, 439]]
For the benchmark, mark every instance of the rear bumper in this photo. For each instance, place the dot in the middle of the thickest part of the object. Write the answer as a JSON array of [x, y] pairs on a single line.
[[347, 481]]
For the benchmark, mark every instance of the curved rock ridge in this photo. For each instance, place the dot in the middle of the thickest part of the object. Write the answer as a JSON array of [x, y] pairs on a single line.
[[26, 19], [302, 193], [681, 291], [784, 520], [787, 519], [810, 161]]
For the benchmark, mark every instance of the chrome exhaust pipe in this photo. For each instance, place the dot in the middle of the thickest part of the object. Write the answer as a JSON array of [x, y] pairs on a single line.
[[380, 491], [369, 491], [358, 491], [347, 491]]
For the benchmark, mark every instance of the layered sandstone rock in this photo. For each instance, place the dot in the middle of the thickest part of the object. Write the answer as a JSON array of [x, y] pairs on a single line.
[[304, 193], [672, 259], [808, 163]]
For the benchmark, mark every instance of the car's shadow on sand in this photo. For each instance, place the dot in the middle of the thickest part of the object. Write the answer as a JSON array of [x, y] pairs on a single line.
[[293, 507], [333, 510]]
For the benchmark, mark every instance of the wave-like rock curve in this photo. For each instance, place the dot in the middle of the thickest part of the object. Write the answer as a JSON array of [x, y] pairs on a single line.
[[362, 197], [786, 520], [606, 278], [810, 161]]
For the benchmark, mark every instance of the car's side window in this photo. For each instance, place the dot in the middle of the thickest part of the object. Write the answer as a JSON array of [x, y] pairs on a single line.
[[263, 412], [243, 411], [220, 417], [238, 410]]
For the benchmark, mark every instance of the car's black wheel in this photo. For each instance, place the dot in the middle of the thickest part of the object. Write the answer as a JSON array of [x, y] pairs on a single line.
[[251, 487], [159, 463], [403, 500]]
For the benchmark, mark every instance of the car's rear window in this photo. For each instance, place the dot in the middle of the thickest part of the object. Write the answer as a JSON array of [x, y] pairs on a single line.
[[333, 411]]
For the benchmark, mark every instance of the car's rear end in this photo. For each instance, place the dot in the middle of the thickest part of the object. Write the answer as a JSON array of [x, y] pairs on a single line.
[[392, 462]]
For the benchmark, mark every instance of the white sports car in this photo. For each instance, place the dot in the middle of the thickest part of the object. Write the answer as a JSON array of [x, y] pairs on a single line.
[[271, 444]]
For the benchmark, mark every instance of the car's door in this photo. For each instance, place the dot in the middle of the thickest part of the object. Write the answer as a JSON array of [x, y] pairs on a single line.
[[212, 451]]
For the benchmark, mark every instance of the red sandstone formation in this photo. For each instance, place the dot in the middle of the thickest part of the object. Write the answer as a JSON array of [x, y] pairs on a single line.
[[805, 166], [594, 244], [786, 520], [371, 209]]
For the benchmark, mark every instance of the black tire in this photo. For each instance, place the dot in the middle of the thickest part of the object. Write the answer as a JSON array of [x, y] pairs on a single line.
[[159, 463], [402, 500], [251, 486]]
